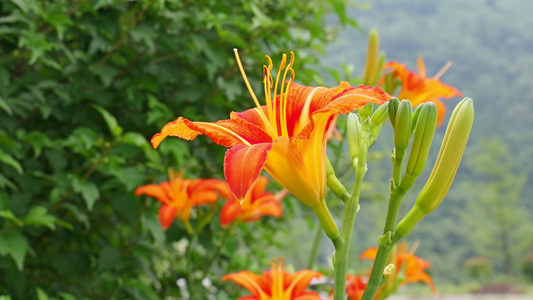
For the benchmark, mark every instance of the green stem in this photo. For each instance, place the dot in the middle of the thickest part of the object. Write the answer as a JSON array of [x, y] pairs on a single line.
[[396, 196], [384, 249], [374, 282], [350, 212], [397, 165], [314, 250]]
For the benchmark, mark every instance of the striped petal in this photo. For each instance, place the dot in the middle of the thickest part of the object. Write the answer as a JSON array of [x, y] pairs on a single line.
[[346, 101], [242, 166], [256, 284], [296, 283], [227, 133]]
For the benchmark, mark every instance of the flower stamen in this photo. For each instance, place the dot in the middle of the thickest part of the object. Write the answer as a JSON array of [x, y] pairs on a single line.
[[443, 70], [260, 110]]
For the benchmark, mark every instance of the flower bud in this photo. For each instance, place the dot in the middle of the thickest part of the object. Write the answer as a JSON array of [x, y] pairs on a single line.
[[443, 172], [366, 111], [402, 125], [372, 60], [355, 135], [394, 103], [425, 128], [415, 116], [380, 115]]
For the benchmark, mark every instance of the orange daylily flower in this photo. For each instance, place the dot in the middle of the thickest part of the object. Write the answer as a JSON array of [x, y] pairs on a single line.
[[287, 136], [419, 89], [414, 266], [179, 195], [257, 203], [276, 284]]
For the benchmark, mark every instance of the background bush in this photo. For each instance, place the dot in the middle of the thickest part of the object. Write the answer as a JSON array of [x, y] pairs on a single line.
[[83, 86]]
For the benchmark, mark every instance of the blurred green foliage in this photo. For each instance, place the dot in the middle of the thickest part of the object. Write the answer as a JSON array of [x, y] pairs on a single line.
[[83, 86], [492, 63]]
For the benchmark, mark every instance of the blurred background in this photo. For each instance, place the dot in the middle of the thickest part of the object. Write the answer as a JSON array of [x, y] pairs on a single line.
[[85, 84]]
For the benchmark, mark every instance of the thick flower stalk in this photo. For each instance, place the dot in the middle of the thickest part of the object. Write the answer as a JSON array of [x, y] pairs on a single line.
[[355, 287], [257, 204], [418, 88], [179, 196], [276, 284]]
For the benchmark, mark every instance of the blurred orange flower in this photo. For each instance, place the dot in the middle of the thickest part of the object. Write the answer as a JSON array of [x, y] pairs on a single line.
[[257, 203], [413, 271], [276, 284], [179, 195], [287, 136], [418, 88]]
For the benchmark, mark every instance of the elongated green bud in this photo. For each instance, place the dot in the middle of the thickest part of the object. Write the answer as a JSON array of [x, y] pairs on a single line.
[[415, 116], [366, 111], [371, 67], [448, 160], [355, 135], [394, 103], [380, 115], [425, 129], [402, 125]]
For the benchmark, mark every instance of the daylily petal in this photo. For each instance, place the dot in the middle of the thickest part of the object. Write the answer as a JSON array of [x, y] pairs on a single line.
[[242, 166], [153, 190], [347, 100], [167, 214], [225, 132], [369, 253], [259, 187], [265, 206], [300, 280], [256, 284], [286, 165], [230, 210]]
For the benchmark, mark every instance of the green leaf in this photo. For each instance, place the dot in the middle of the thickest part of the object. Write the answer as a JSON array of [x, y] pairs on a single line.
[[5, 107], [8, 215], [134, 138], [41, 295], [88, 190], [80, 215], [67, 296], [111, 121], [140, 141], [4, 182], [9, 160], [38, 215], [151, 223], [105, 72], [14, 244], [24, 5]]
